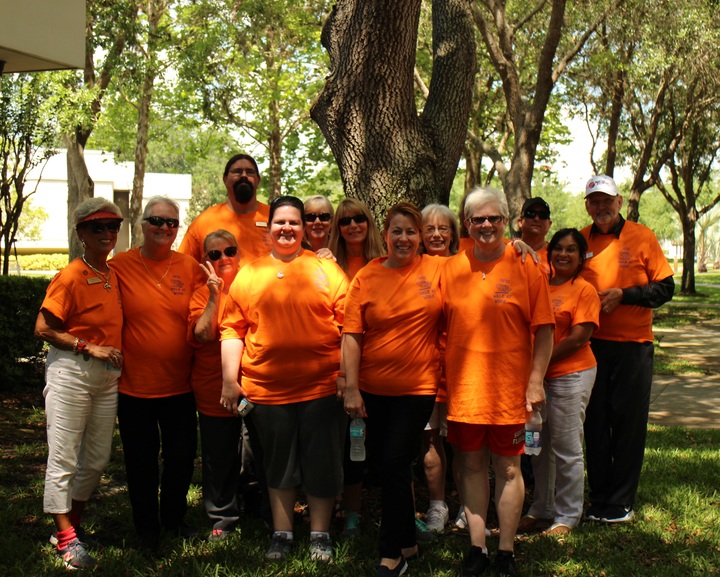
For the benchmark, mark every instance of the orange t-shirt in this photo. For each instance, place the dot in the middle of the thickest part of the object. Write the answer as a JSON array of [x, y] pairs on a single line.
[[206, 376], [543, 256], [397, 310], [156, 354], [466, 242], [573, 303], [290, 326], [250, 230], [354, 264], [633, 259], [490, 328], [86, 309]]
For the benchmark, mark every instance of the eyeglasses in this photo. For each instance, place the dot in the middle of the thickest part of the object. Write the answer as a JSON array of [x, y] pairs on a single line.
[[357, 219], [541, 214], [230, 251], [241, 171], [439, 229], [159, 221], [313, 216], [494, 219], [100, 227]]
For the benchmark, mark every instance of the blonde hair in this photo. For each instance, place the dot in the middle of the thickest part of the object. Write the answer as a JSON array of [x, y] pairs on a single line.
[[373, 246], [92, 205]]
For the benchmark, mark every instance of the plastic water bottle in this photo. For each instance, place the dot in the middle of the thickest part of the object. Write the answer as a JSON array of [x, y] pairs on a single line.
[[357, 439], [533, 426]]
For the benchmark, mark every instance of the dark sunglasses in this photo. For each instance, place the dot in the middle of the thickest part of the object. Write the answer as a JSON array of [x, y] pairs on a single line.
[[494, 219], [313, 216], [541, 214], [159, 221], [229, 251], [357, 219], [100, 227]]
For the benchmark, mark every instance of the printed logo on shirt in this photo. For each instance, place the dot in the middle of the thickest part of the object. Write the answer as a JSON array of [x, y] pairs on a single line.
[[177, 287], [320, 280], [502, 291], [426, 290], [625, 257], [557, 303]]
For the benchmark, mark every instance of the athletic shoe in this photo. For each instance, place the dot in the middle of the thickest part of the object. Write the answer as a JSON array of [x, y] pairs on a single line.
[[475, 563], [321, 548], [351, 527], [461, 519], [75, 556], [504, 565], [595, 513], [422, 533], [383, 571], [617, 514], [218, 535], [279, 549], [436, 518]]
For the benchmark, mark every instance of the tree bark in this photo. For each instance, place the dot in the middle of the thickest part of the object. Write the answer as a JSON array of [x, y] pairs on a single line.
[[384, 149], [80, 185]]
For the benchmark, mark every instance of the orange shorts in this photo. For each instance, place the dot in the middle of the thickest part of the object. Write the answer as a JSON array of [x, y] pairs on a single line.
[[505, 440]]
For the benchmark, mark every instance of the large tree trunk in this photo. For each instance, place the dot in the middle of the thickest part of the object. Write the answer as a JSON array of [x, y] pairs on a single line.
[[80, 187], [386, 151], [275, 152]]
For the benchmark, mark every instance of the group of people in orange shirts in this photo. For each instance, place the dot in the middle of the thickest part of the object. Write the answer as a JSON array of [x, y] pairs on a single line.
[[296, 317]]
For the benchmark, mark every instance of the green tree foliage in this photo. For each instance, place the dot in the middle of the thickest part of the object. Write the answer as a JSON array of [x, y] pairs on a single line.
[[256, 66], [27, 134]]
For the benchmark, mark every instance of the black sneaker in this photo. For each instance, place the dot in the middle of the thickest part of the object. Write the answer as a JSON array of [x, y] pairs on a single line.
[[279, 549], [595, 512], [400, 568], [617, 514], [504, 565], [475, 563]]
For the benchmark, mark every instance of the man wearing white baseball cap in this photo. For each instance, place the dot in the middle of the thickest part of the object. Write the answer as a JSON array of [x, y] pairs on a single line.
[[632, 276]]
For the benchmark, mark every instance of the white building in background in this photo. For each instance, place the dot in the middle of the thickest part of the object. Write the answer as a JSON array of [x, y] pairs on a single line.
[[113, 180]]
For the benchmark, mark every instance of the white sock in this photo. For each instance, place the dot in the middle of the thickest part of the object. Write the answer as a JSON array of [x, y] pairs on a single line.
[[437, 503], [284, 534], [315, 534]]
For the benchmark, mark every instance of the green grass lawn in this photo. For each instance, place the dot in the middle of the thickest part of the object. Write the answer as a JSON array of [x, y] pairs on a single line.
[[676, 532]]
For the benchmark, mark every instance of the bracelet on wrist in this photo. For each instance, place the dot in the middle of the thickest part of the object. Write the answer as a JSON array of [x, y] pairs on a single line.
[[341, 374]]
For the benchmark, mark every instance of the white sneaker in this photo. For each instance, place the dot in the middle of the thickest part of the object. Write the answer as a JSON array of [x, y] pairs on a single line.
[[437, 517], [461, 519]]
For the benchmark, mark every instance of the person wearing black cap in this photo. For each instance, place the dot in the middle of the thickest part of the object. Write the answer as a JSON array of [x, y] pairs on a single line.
[[627, 267], [534, 223]]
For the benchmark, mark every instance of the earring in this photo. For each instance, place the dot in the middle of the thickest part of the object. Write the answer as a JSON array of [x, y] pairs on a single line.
[[82, 241]]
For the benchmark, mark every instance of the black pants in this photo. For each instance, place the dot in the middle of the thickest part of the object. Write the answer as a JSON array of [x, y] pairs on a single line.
[[145, 424], [394, 429], [220, 439], [616, 421]]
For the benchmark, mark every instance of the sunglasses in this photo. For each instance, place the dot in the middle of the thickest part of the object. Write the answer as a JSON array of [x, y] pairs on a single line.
[[159, 221], [313, 216], [494, 219], [541, 214], [229, 251], [100, 227], [357, 219]]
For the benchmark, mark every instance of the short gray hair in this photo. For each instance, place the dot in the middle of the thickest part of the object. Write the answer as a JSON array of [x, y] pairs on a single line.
[[159, 200], [484, 195], [92, 205]]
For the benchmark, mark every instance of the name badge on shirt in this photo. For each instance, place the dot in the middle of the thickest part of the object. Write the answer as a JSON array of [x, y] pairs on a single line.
[[94, 280], [589, 255], [261, 223]]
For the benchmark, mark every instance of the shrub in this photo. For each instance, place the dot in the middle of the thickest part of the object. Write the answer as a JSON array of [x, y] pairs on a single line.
[[54, 261], [21, 354]]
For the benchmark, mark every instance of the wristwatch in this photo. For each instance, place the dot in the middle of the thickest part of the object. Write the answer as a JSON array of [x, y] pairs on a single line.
[[80, 345]]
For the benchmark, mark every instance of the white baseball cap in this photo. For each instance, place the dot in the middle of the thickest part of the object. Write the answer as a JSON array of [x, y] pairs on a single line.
[[601, 183]]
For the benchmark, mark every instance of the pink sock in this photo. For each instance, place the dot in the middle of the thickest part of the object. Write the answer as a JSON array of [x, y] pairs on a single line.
[[65, 537]]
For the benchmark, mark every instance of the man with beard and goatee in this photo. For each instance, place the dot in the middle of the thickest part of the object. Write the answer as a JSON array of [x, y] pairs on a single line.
[[241, 214]]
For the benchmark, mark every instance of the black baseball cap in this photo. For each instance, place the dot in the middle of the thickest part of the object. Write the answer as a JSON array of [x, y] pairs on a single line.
[[532, 202]]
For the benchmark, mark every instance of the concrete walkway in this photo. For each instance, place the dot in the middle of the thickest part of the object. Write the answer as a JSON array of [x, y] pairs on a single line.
[[689, 400]]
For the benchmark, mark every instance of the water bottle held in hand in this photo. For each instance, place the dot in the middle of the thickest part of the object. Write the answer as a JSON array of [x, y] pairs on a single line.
[[533, 426], [357, 439]]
